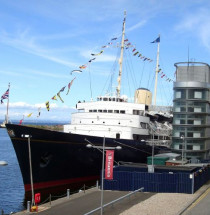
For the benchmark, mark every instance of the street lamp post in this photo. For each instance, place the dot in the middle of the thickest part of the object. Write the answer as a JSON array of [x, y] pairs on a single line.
[[182, 137], [153, 151], [102, 176], [31, 175]]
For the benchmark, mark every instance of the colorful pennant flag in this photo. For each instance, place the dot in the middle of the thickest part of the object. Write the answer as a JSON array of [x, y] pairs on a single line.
[[62, 89], [29, 115], [54, 98], [114, 38], [91, 60], [69, 86], [58, 94], [47, 105], [83, 66], [97, 53], [78, 71], [21, 121], [39, 112]]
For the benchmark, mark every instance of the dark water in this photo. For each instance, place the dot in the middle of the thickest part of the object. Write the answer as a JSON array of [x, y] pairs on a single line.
[[11, 185], [12, 194]]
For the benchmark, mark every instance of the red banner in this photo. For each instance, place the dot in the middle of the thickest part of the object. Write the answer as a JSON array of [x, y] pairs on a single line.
[[109, 164]]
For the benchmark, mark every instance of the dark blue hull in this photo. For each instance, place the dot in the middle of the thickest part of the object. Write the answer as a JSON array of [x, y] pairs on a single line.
[[60, 159]]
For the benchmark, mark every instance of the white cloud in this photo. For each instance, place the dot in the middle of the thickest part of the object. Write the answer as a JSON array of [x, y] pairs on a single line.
[[196, 23], [27, 43], [138, 25]]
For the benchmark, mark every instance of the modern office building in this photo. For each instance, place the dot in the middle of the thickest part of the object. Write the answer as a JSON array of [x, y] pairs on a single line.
[[191, 112]]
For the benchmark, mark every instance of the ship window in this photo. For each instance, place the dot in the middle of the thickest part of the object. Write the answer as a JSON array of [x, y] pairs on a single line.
[[116, 111], [135, 112], [105, 99], [110, 99], [113, 99], [94, 110], [90, 110], [141, 112], [143, 125], [100, 111], [117, 136], [110, 111], [105, 111], [122, 111]]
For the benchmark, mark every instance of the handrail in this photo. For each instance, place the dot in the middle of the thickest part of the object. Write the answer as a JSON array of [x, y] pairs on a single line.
[[114, 201]]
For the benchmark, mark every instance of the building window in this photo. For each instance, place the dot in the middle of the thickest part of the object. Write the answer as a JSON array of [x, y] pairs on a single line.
[[196, 135], [197, 122], [196, 148], [178, 95], [197, 95], [180, 146], [189, 147], [190, 122]]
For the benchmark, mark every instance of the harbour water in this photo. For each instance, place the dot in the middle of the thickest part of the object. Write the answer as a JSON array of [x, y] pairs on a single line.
[[11, 185], [12, 192]]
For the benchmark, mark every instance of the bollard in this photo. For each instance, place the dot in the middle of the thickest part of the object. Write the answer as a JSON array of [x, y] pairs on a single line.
[[28, 206], [68, 193], [97, 184]]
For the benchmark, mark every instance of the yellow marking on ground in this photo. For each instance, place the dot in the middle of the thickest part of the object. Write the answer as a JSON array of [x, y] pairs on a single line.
[[199, 199]]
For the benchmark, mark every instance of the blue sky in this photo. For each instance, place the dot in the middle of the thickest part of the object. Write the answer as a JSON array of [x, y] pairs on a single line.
[[41, 42]]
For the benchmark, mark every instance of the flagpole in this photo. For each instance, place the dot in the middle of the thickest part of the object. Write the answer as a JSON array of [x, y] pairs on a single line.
[[7, 105], [156, 73], [121, 57]]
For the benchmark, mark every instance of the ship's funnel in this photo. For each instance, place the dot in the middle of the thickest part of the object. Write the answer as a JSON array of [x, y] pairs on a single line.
[[143, 96]]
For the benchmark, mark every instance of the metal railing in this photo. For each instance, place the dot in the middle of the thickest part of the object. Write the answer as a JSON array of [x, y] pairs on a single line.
[[114, 201]]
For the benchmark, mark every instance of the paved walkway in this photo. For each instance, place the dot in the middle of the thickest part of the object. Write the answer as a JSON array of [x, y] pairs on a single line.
[[139, 203], [82, 203]]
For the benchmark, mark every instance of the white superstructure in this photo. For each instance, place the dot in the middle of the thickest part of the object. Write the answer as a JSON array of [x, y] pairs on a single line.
[[112, 117]]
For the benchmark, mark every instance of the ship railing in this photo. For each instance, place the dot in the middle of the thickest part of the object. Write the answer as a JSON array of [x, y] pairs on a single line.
[[159, 142], [115, 201]]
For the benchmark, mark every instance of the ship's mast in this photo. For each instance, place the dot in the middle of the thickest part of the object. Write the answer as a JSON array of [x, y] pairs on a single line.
[[156, 73], [7, 105], [121, 57]]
